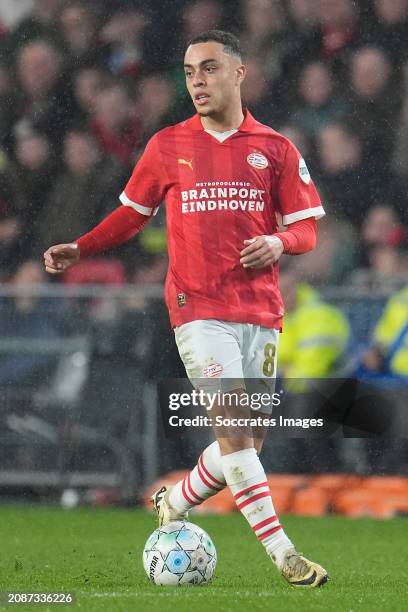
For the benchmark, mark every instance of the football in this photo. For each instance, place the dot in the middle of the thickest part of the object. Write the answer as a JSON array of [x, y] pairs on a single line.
[[179, 553]]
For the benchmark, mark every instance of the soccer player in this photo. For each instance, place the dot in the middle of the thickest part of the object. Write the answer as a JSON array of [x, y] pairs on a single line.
[[224, 178]]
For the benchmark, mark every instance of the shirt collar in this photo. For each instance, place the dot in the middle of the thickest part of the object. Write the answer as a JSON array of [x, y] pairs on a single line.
[[194, 123]]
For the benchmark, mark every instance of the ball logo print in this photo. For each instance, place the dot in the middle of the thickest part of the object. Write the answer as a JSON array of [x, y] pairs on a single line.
[[257, 160], [179, 553]]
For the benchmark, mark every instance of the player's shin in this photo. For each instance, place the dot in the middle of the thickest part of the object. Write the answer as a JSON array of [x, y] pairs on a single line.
[[205, 480], [247, 481]]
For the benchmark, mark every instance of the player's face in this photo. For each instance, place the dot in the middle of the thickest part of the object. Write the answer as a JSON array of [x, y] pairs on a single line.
[[213, 77]]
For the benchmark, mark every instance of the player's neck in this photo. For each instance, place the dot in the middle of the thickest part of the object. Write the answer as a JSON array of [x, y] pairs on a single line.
[[230, 120]]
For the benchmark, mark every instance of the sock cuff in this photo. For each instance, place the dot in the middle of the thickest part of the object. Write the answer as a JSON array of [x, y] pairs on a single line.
[[212, 452], [245, 455]]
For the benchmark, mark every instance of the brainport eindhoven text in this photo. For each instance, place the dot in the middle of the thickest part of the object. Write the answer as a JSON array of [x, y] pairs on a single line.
[[223, 198]]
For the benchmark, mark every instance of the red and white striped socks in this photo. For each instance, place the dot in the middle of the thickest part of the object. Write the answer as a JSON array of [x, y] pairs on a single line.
[[247, 481], [204, 481], [242, 471]]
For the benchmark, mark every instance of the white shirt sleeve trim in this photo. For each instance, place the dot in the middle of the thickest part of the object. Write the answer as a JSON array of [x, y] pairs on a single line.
[[144, 210], [317, 212]]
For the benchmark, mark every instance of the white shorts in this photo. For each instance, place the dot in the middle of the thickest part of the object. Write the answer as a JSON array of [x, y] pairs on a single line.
[[212, 349]]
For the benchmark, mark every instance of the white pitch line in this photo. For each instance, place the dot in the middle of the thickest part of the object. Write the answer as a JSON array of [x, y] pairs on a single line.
[[179, 592]]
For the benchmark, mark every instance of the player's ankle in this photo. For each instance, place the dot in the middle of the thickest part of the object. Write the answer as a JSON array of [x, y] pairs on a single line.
[[278, 553], [174, 499]]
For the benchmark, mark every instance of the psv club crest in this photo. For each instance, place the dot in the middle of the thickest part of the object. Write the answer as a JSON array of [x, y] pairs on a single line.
[[212, 370], [257, 160]]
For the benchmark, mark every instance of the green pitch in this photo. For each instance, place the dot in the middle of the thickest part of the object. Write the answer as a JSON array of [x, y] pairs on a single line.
[[97, 555]]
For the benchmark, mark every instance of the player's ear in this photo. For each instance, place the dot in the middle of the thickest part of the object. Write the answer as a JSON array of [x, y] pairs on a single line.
[[241, 73]]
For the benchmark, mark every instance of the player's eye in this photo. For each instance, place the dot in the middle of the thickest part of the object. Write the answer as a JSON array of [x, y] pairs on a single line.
[[210, 68], [188, 74]]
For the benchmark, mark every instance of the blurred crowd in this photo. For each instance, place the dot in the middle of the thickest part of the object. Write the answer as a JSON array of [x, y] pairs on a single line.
[[84, 84]]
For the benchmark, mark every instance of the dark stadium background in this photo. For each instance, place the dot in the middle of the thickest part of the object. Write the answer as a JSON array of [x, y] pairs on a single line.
[[83, 86]]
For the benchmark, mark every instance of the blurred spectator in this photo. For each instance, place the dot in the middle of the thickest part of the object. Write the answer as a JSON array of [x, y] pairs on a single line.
[[345, 175], [86, 190], [115, 123], [88, 83], [389, 263], [40, 23], [78, 28], [336, 255], [257, 94], [373, 111], [196, 17], [324, 28], [264, 36], [7, 107], [199, 16], [319, 105], [400, 159], [32, 176], [309, 63], [124, 34], [45, 103], [383, 249], [333, 34], [338, 21], [28, 318], [390, 29], [155, 104], [38, 68], [389, 353], [10, 228], [303, 14], [295, 133], [382, 227], [315, 333]]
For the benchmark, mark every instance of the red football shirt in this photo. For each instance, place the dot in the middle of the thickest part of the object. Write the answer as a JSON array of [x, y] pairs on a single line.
[[217, 195]]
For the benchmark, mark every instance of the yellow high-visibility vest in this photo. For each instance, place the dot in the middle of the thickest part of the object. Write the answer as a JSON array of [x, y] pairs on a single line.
[[392, 322], [314, 337]]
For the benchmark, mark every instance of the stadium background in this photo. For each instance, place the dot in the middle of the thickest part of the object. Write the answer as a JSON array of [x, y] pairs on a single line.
[[83, 85]]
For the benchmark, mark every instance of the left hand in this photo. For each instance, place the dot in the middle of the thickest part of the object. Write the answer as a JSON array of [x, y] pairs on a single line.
[[262, 251]]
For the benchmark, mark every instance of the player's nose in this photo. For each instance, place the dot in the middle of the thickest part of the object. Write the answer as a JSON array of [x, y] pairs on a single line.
[[198, 80]]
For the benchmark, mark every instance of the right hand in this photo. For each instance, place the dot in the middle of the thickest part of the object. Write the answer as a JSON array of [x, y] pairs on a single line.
[[373, 359], [60, 257]]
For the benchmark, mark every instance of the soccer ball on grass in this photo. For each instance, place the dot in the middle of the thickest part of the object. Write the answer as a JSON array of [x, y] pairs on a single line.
[[179, 553]]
